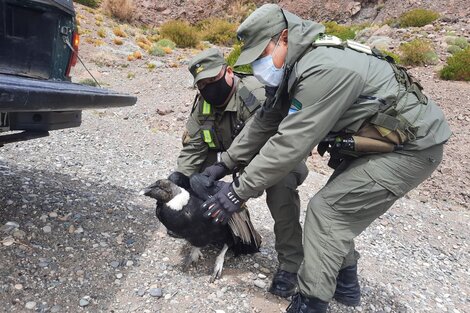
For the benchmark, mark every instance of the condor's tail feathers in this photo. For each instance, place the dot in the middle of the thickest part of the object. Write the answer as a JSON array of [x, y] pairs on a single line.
[[247, 239]]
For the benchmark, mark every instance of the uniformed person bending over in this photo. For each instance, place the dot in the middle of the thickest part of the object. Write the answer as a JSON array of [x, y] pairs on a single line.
[[384, 136], [225, 103]]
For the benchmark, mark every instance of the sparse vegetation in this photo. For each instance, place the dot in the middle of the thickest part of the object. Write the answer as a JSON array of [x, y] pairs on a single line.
[[120, 9], [240, 9], [156, 50], [119, 32], [418, 52], [151, 66], [89, 3], [218, 31], [457, 67], [130, 75], [417, 18], [166, 43], [232, 58], [181, 32], [340, 31], [88, 82], [118, 41], [101, 32]]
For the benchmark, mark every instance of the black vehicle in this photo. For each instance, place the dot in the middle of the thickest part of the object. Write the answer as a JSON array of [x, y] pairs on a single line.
[[38, 47]]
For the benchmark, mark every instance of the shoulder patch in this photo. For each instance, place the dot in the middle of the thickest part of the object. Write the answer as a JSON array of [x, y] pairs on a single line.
[[295, 106]]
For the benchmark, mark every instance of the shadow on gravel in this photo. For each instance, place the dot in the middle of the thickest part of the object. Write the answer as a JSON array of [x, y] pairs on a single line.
[[65, 239]]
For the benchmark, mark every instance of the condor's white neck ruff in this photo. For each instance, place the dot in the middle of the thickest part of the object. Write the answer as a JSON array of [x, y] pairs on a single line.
[[179, 201]]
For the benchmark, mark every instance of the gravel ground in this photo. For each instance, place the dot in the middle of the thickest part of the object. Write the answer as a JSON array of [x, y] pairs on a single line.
[[76, 237]]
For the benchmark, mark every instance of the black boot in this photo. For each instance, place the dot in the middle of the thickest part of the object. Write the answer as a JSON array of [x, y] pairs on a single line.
[[302, 304], [348, 291], [284, 284]]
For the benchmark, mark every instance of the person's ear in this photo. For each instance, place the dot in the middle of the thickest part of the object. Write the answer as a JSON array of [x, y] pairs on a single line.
[[229, 70], [284, 36]]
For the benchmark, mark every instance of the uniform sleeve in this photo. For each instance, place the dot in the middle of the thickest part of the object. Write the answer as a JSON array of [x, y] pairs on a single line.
[[253, 136], [194, 151], [324, 95]]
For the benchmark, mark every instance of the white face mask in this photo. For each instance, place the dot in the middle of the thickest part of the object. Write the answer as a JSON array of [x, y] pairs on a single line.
[[266, 72]]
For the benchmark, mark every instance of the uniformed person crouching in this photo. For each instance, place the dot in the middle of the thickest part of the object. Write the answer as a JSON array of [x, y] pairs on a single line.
[[223, 106], [384, 137]]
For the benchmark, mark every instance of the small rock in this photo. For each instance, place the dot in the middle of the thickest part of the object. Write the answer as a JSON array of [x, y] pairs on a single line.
[[129, 263], [115, 264], [141, 292], [30, 305], [8, 241], [9, 227], [19, 234], [79, 230], [18, 286], [84, 302], [260, 284], [119, 275], [262, 276], [47, 229], [53, 214], [156, 292], [56, 309]]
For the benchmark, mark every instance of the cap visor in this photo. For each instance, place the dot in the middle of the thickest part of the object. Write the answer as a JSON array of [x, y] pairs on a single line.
[[249, 55], [207, 74]]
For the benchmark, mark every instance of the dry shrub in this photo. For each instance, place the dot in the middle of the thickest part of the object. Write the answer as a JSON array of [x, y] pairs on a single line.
[[418, 52], [167, 50], [181, 32], [118, 41], [101, 32], [240, 9], [120, 9], [130, 57], [166, 43], [119, 32], [137, 54]]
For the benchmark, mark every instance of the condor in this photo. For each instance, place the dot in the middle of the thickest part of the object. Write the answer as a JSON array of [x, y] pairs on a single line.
[[179, 210]]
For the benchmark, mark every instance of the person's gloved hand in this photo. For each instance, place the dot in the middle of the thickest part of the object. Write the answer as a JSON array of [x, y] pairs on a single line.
[[179, 179], [223, 204], [215, 172]]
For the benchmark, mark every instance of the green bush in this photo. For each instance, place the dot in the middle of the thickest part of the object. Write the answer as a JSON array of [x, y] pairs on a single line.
[[166, 43], [156, 50], [341, 31], [418, 52], [181, 32], [457, 67], [453, 49], [417, 18], [218, 31], [89, 3], [233, 57]]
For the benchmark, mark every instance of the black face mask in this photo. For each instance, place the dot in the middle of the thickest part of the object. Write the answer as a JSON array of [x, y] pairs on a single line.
[[217, 92]]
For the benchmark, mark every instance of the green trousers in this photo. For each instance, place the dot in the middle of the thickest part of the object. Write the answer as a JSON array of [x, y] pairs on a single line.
[[350, 201], [284, 204]]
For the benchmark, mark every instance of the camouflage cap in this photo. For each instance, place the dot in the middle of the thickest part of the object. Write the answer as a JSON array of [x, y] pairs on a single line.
[[257, 30], [206, 64]]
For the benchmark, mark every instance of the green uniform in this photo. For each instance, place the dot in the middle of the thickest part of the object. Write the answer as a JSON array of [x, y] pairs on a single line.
[[200, 151], [337, 89]]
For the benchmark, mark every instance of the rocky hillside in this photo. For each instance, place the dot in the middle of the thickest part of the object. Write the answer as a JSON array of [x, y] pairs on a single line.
[[349, 11]]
